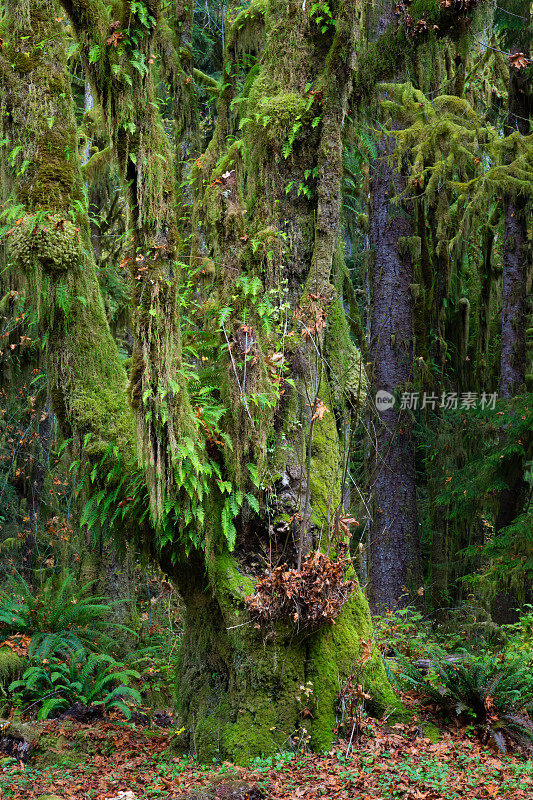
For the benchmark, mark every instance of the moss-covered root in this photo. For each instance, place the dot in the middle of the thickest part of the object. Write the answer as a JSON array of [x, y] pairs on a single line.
[[243, 692]]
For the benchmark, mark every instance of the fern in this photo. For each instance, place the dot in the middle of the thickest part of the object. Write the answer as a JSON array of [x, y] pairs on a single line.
[[492, 693], [59, 618], [92, 679]]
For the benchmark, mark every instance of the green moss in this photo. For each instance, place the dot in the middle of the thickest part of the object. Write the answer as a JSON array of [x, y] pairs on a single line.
[[410, 246], [326, 468], [58, 750], [55, 750], [380, 61], [22, 731], [254, 732], [431, 732], [239, 686], [425, 9], [333, 656], [363, 222], [266, 710], [98, 165], [348, 377], [275, 115], [54, 243], [48, 797], [227, 581], [11, 666], [52, 249], [247, 31]]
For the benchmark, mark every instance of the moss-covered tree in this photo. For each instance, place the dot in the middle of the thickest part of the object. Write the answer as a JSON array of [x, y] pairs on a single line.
[[290, 377]]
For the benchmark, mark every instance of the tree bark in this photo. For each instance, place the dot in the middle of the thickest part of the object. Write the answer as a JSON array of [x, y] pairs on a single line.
[[515, 243], [394, 529], [514, 316], [514, 323]]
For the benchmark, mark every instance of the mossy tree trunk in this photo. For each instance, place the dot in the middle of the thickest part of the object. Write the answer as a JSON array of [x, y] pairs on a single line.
[[117, 48], [268, 213], [50, 242]]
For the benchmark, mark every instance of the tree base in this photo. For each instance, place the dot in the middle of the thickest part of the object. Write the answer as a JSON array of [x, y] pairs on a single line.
[[245, 693]]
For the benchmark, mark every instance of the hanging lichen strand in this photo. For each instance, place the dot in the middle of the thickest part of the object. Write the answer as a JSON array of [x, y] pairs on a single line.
[[49, 243], [118, 52]]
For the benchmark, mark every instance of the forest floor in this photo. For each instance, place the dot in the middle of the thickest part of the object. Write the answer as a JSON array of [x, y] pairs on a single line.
[[111, 759]]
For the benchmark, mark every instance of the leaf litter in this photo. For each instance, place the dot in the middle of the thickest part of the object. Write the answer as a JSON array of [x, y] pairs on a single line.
[[390, 762]]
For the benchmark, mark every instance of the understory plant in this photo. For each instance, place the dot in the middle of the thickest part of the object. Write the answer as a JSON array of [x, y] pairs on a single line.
[[58, 618], [51, 686], [492, 692]]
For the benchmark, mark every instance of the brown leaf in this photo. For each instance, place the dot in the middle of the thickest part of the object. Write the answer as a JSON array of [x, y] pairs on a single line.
[[519, 60], [115, 38], [320, 410]]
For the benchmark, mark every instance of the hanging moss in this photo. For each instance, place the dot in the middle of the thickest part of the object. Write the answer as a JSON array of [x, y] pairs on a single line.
[[247, 31], [51, 248]]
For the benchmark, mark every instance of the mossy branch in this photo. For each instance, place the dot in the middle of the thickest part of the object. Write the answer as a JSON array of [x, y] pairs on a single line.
[[213, 86], [395, 46]]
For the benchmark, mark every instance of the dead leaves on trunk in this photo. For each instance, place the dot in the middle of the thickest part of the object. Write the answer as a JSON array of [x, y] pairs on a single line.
[[18, 643], [309, 598]]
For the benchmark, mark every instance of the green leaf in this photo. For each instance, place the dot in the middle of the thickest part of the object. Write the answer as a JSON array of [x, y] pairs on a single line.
[[253, 502], [94, 54]]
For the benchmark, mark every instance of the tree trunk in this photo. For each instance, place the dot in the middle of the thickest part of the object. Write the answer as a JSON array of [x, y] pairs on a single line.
[[51, 244], [268, 210], [514, 324], [515, 243], [394, 530], [240, 690], [514, 317]]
